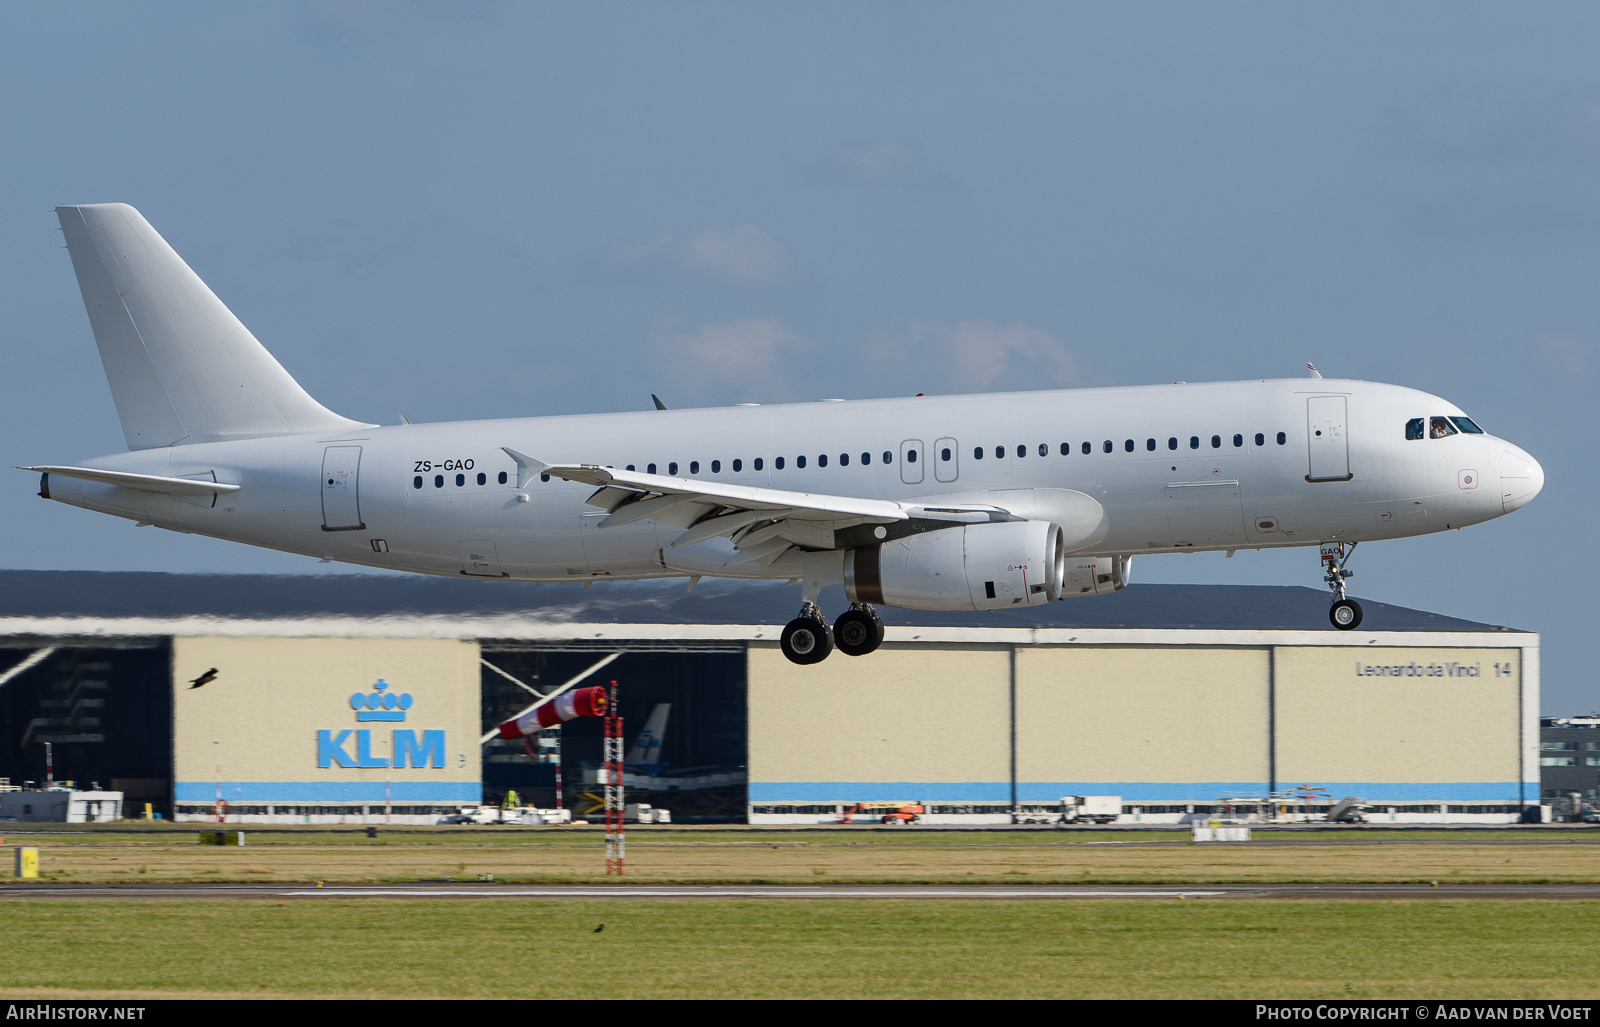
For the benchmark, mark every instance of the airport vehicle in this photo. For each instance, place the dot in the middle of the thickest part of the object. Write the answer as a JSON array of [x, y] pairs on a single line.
[[981, 502], [893, 813]]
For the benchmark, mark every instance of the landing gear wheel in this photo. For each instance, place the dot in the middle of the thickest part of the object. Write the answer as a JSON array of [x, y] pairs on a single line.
[[857, 632], [1345, 614], [806, 640]]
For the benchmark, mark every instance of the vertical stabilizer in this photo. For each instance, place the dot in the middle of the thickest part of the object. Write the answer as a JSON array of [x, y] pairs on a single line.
[[182, 368], [646, 749]]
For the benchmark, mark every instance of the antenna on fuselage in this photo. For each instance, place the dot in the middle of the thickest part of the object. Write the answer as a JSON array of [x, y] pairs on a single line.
[[1313, 369], [659, 405]]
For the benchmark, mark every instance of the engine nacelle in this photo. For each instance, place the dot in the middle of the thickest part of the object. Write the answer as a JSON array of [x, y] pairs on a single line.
[[990, 566], [1095, 575]]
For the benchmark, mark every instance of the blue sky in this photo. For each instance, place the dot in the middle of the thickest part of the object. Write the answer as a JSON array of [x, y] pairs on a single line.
[[481, 209]]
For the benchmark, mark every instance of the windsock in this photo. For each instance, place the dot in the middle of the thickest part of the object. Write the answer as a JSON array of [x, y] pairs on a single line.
[[583, 702]]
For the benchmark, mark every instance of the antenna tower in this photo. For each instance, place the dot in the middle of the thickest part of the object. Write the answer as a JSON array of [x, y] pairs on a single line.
[[614, 793]]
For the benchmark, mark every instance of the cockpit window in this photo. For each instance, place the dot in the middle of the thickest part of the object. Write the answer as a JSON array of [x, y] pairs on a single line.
[[1439, 427], [1467, 425], [1415, 428]]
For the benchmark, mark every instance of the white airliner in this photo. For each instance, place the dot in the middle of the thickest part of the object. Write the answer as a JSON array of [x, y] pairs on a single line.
[[934, 503]]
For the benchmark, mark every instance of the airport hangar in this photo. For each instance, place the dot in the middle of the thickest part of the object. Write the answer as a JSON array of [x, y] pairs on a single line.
[[180, 689]]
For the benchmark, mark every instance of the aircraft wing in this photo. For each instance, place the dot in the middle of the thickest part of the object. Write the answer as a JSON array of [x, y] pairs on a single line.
[[763, 523], [144, 482]]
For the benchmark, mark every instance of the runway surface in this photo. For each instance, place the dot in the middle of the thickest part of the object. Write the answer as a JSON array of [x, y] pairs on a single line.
[[632, 892]]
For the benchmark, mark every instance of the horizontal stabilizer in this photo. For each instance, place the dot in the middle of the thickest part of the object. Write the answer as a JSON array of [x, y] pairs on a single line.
[[142, 482]]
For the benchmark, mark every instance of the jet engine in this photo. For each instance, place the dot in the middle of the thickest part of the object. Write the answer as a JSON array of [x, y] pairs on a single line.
[[988, 566]]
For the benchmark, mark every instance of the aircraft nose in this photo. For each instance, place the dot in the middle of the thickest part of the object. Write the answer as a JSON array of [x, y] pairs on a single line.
[[1521, 478]]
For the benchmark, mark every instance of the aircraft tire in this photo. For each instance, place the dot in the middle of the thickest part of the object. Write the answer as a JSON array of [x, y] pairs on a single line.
[[857, 633], [1345, 614], [806, 641]]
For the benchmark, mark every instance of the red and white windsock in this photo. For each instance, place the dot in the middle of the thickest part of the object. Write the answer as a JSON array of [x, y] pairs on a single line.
[[582, 702]]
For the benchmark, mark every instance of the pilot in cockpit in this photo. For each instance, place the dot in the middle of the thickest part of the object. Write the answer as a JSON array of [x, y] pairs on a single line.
[[1439, 427]]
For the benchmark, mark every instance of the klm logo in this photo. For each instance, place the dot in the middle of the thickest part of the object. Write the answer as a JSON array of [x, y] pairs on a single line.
[[405, 748], [380, 704]]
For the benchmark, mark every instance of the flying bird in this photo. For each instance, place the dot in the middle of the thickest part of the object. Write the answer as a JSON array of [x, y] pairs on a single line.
[[204, 679]]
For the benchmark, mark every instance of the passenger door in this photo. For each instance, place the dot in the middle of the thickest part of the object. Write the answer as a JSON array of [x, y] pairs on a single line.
[[946, 459], [341, 502], [1326, 439]]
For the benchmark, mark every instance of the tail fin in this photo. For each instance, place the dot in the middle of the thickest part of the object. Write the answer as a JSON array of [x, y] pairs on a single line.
[[646, 749], [182, 368]]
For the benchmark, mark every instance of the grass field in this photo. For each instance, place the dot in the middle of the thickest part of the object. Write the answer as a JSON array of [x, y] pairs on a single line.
[[711, 857], [799, 949]]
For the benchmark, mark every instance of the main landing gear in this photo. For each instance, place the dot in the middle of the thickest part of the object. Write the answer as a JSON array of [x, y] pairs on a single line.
[[807, 640], [1344, 613]]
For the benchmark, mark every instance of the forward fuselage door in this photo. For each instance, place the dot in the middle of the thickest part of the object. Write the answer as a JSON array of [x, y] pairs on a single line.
[[911, 460], [341, 502], [946, 459], [1326, 439]]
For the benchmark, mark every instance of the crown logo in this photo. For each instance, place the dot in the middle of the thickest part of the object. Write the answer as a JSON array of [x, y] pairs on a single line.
[[380, 704]]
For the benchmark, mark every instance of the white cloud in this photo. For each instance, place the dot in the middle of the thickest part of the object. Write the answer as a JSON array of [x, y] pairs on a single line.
[[887, 162], [977, 356], [741, 255], [728, 361]]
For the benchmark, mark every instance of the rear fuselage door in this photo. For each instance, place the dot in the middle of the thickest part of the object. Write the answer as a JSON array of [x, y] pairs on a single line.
[[1327, 440], [946, 459], [911, 461], [341, 503]]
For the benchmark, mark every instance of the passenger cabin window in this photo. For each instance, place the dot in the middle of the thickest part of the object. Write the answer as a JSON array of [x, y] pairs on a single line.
[[911, 456], [1238, 441], [1109, 446], [1414, 429], [844, 459], [866, 458], [778, 463], [1282, 438], [999, 452], [800, 462], [630, 467], [1087, 448], [1150, 445], [694, 467], [438, 481], [1044, 450], [738, 465], [672, 468], [758, 463], [461, 479], [416, 482], [1022, 451], [650, 468], [1216, 442], [1194, 442], [1127, 446], [1261, 440], [1467, 425], [977, 452], [502, 478], [822, 461], [716, 466], [1066, 449], [1172, 443], [483, 479], [944, 454], [888, 457], [1440, 427]]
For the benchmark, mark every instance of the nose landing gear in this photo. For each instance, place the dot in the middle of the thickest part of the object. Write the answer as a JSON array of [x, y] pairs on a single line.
[[858, 631], [806, 639], [1345, 614]]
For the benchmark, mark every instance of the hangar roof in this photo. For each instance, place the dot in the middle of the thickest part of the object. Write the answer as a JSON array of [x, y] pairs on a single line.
[[80, 596]]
